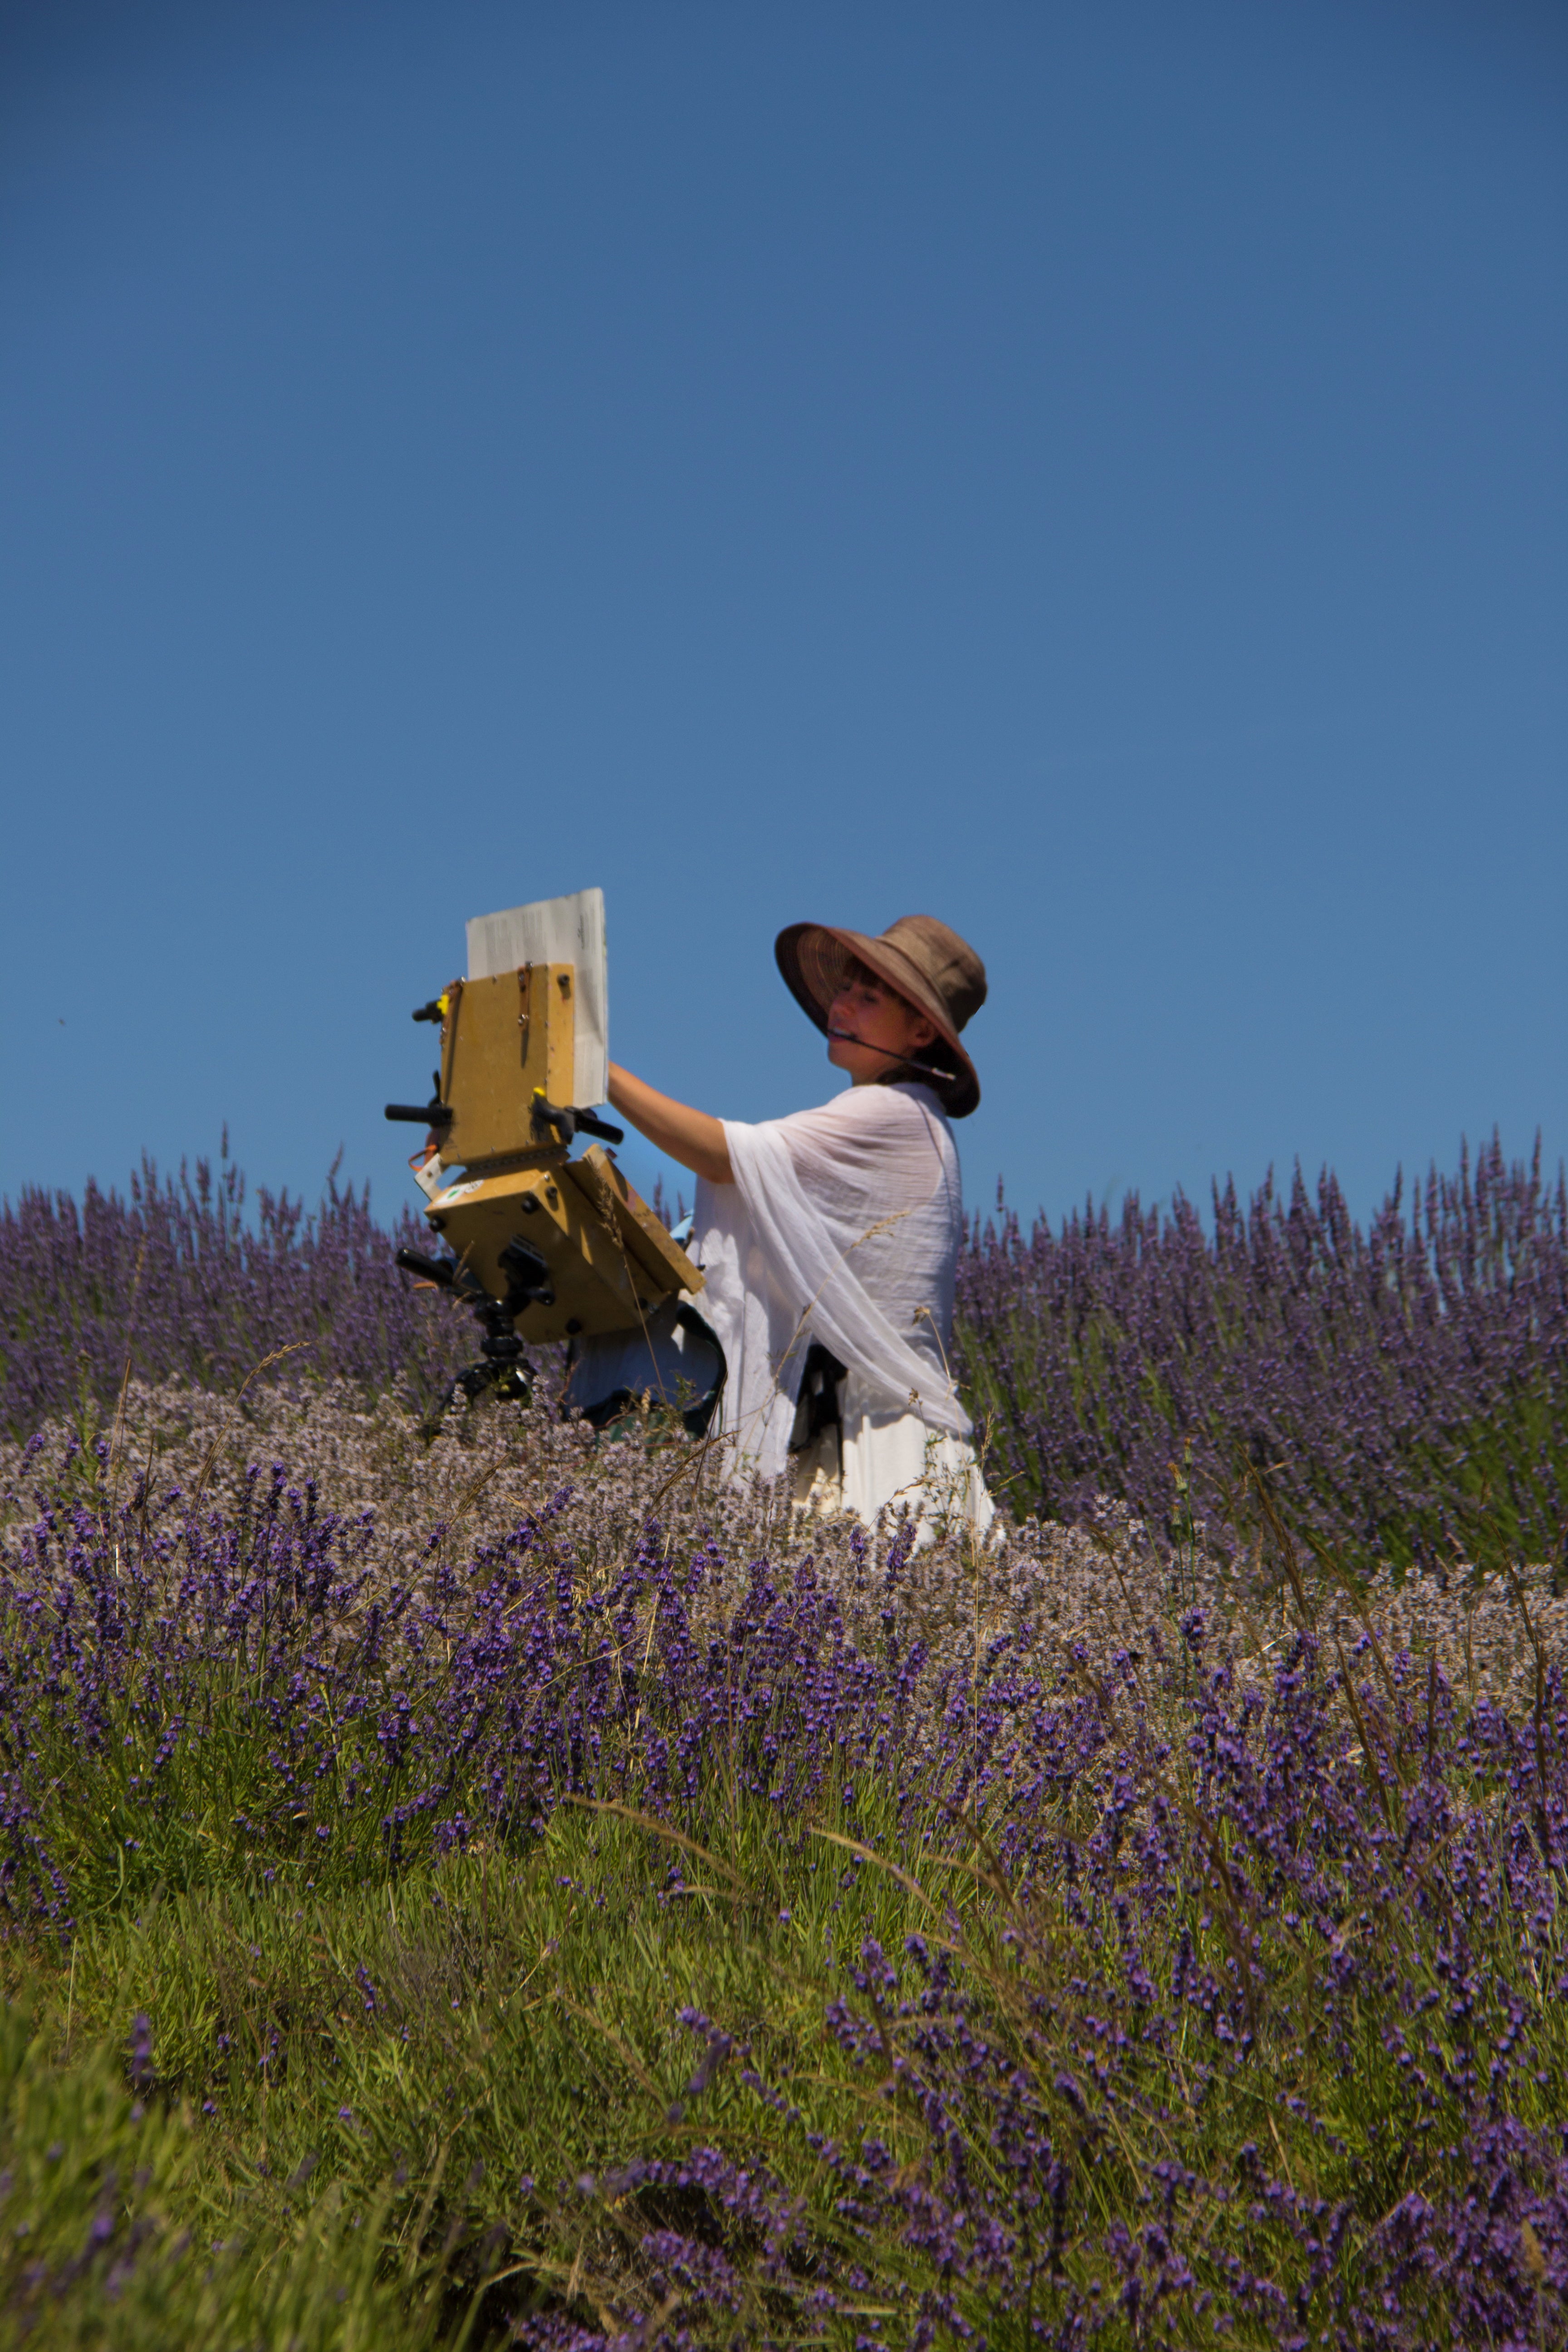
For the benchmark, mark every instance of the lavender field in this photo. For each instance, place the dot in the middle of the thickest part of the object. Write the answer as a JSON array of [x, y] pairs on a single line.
[[1401, 1388], [1398, 1390], [507, 1887]]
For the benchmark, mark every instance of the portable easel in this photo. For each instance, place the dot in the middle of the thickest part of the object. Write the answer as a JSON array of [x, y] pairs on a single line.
[[561, 1244]]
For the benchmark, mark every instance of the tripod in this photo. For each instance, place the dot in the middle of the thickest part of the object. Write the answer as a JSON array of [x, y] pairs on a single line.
[[499, 1371]]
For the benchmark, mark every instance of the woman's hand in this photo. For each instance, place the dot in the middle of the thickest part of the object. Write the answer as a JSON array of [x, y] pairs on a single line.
[[691, 1137]]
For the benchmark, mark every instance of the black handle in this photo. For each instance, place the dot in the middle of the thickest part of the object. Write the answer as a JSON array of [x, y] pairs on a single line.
[[449, 1272], [588, 1124], [570, 1123], [433, 1269], [430, 1114]]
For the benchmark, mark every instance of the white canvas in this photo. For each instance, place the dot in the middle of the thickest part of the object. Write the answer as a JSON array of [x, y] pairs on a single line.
[[557, 931]]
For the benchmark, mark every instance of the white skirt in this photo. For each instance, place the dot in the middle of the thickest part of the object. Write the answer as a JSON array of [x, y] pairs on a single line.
[[881, 1460]]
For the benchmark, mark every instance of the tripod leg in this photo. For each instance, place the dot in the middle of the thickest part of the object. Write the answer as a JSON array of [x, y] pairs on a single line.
[[430, 1427]]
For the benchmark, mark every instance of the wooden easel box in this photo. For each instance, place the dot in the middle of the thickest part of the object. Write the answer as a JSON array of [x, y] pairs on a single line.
[[505, 1041]]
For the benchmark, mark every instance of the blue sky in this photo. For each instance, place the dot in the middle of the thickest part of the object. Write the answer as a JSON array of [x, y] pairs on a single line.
[[1096, 473]]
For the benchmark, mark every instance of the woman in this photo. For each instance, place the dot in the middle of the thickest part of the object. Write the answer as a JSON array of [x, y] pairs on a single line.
[[830, 1239]]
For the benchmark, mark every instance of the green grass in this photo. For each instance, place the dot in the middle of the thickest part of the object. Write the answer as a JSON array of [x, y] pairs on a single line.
[[392, 2099], [525, 2025], [319, 2166]]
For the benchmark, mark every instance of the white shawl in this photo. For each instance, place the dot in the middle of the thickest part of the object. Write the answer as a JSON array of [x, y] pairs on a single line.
[[843, 1224]]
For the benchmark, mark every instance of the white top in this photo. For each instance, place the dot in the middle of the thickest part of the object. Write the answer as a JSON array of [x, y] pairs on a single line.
[[843, 1224]]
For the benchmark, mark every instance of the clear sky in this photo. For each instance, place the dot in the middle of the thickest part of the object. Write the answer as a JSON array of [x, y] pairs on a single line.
[[1094, 471]]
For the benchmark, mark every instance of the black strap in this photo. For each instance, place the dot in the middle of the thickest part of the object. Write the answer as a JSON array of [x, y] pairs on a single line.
[[817, 1406]]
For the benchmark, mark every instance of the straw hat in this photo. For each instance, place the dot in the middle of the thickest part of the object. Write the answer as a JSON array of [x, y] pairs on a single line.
[[922, 961]]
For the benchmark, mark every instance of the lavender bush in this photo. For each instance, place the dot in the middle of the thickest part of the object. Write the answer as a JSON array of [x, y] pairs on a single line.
[[177, 1280], [643, 1920], [1403, 1391]]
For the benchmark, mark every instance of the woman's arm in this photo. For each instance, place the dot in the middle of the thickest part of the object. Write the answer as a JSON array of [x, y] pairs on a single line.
[[690, 1136]]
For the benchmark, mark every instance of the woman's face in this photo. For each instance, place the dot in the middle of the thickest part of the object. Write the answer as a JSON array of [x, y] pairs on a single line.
[[870, 1028]]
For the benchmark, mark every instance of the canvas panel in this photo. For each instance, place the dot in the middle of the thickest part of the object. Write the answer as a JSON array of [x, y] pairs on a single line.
[[557, 931]]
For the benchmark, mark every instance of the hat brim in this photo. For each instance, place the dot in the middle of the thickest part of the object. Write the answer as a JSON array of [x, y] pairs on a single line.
[[813, 957]]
